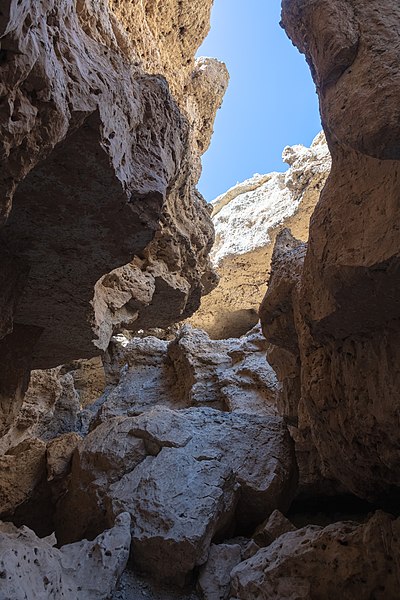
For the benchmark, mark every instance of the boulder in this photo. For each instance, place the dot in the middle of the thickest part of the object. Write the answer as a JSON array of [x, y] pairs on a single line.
[[215, 576], [185, 476], [32, 568], [190, 370], [343, 560]]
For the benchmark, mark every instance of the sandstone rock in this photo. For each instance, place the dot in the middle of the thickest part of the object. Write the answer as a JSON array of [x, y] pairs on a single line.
[[191, 370], [126, 242], [215, 576], [31, 568], [344, 560], [58, 462], [276, 525], [138, 375], [347, 324], [50, 408], [176, 474], [21, 469], [247, 219], [89, 379], [279, 315]]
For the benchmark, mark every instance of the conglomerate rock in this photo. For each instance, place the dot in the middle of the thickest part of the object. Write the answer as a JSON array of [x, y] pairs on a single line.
[[102, 226], [184, 476], [32, 568], [346, 305], [247, 219], [343, 560]]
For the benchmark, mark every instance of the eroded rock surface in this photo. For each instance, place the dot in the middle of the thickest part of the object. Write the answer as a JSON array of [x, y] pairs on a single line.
[[176, 474], [102, 224], [33, 568], [344, 560], [190, 370], [247, 219], [346, 312]]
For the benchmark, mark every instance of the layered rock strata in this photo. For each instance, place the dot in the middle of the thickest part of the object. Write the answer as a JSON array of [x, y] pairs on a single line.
[[340, 308], [247, 219], [99, 166]]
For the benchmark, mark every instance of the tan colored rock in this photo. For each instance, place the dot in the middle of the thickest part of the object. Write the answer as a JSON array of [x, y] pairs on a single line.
[[347, 325], [247, 219], [89, 379], [190, 370], [176, 473], [125, 244], [50, 408], [275, 526], [59, 454], [21, 469], [31, 568], [280, 315], [344, 560]]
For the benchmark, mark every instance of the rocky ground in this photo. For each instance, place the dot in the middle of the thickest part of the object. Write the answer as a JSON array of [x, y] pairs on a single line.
[[135, 587]]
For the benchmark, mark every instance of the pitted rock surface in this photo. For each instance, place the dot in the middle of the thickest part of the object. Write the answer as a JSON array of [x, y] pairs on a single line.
[[190, 370], [184, 476], [33, 568], [247, 219], [102, 226], [344, 560], [346, 312]]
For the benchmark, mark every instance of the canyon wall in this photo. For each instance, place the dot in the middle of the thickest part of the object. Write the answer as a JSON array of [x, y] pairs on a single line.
[[247, 219], [332, 308], [104, 115]]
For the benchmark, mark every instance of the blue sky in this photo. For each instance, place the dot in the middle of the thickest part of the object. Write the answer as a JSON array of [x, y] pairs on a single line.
[[271, 100]]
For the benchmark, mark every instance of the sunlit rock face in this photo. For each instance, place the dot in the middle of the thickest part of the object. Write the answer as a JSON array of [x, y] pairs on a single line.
[[247, 219], [344, 306], [102, 226]]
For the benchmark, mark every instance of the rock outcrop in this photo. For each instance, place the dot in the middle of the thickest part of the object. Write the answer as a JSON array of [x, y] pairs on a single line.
[[247, 219], [190, 370], [340, 308], [344, 560], [32, 568], [102, 226], [175, 473]]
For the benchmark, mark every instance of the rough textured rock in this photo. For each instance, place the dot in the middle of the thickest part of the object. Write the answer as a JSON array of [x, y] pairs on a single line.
[[276, 525], [50, 408], [347, 325], [247, 219], [86, 122], [32, 568], [176, 474], [215, 576], [279, 314], [344, 560], [21, 470], [190, 370]]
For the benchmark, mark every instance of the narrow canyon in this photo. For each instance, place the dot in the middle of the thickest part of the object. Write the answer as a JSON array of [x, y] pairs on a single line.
[[197, 401]]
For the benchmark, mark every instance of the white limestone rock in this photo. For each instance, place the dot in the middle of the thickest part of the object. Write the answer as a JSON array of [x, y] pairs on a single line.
[[184, 476], [245, 214], [32, 569]]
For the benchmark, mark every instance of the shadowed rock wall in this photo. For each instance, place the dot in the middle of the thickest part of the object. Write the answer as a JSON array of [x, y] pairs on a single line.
[[342, 305], [103, 227]]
